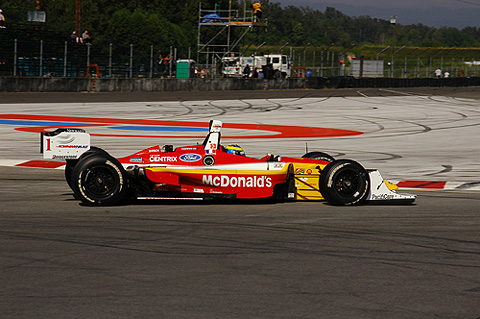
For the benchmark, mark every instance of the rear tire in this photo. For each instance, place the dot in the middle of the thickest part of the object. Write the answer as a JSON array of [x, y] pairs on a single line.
[[344, 182], [72, 163], [99, 180]]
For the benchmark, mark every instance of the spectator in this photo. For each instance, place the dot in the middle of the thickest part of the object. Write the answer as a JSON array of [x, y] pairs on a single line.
[[257, 11], [75, 38], [438, 73], [158, 61], [86, 37], [246, 72], [166, 63], [2, 20], [446, 74]]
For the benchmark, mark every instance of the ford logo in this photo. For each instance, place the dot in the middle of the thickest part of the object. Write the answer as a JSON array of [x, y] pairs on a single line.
[[190, 157]]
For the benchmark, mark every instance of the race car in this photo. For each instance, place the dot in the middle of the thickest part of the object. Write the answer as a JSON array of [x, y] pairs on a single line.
[[211, 171]]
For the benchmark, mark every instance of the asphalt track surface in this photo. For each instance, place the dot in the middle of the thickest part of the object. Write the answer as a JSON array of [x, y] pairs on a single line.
[[60, 259]]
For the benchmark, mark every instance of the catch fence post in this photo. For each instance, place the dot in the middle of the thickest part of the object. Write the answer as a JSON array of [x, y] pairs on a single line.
[[131, 61], [170, 63], [88, 55], [65, 60], [15, 58], [321, 64], [151, 61], [110, 62], [41, 57]]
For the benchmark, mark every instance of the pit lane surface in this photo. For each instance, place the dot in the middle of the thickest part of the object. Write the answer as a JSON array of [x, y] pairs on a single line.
[[288, 260]]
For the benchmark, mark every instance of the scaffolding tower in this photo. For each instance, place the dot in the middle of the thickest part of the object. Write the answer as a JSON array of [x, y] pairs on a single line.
[[215, 30]]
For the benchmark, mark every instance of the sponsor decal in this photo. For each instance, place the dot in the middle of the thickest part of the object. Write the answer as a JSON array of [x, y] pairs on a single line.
[[136, 160], [301, 171], [64, 157], [198, 190], [72, 146], [211, 152], [159, 158], [155, 150], [237, 181], [382, 197], [188, 148], [191, 157]]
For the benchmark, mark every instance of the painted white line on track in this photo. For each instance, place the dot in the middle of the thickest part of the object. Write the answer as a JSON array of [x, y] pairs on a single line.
[[362, 94]]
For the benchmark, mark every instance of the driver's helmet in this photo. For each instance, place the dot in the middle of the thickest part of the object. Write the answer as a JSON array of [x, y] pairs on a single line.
[[234, 149]]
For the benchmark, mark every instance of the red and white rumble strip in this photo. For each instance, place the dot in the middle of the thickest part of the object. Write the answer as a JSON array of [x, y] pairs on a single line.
[[437, 185], [33, 164], [408, 184]]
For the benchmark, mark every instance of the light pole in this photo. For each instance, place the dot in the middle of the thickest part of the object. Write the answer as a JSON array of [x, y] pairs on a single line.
[[393, 22]]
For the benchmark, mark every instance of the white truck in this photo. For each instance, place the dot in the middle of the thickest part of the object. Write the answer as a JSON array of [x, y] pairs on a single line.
[[282, 66], [233, 67]]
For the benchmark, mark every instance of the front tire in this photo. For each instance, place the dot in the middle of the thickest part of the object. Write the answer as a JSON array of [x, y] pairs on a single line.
[[344, 182], [319, 156], [99, 181]]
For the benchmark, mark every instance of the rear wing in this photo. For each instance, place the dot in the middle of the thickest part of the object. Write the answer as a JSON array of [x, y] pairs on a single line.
[[212, 141], [64, 143]]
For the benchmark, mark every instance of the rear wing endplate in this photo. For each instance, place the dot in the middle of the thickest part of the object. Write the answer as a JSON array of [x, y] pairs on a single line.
[[64, 143]]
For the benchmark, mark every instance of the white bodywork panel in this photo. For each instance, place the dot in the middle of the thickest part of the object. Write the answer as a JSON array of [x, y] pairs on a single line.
[[379, 190], [213, 139], [66, 143]]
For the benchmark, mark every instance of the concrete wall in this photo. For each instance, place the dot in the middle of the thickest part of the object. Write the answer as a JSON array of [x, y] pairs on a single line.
[[19, 84]]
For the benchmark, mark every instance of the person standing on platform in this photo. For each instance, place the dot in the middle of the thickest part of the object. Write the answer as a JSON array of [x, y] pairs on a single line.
[[257, 11], [2, 20]]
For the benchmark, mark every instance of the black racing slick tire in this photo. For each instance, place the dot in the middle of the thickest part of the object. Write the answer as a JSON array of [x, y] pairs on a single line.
[[71, 163], [344, 182], [99, 180], [319, 156]]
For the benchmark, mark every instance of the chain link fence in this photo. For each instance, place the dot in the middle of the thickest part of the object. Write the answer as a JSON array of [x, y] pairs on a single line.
[[54, 58]]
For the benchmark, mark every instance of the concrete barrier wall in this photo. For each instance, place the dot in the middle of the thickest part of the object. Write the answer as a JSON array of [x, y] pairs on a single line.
[[19, 84]]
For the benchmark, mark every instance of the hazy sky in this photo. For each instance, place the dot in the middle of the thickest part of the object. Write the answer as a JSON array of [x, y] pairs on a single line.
[[437, 13]]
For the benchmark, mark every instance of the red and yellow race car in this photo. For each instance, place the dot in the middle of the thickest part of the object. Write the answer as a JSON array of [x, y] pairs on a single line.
[[211, 171]]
